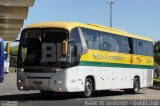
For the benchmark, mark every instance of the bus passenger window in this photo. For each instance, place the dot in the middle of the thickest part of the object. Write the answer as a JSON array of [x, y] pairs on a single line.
[[115, 47], [130, 40], [92, 38], [141, 47], [126, 45], [76, 37], [121, 44], [149, 48], [106, 42]]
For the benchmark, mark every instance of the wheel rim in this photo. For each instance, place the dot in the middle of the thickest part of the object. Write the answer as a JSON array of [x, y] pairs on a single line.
[[88, 88]]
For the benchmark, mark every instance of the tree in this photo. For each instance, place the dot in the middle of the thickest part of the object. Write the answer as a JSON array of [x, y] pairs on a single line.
[[157, 57], [157, 47], [157, 52], [13, 56]]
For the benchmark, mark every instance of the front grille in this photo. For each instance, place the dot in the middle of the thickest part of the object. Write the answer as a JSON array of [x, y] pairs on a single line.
[[39, 77], [38, 70]]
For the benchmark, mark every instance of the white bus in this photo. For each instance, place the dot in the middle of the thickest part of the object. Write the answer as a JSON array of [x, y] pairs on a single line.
[[75, 57]]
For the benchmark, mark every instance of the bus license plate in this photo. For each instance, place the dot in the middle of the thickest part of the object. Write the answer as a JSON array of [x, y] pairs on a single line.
[[37, 83]]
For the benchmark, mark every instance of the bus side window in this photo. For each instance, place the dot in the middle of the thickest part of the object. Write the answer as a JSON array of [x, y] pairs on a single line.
[[127, 46], [141, 47], [106, 42], [130, 40], [88, 37], [76, 37], [92, 38], [115, 45], [149, 48], [134, 46], [122, 43]]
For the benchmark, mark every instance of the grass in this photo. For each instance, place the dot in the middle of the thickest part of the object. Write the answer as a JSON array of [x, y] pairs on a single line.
[[12, 70], [156, 81]]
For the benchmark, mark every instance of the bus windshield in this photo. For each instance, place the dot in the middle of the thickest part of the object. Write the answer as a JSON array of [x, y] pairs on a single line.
[[41, 47]]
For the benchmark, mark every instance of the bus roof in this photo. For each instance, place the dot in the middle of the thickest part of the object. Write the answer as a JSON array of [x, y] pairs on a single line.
[[70, 25]]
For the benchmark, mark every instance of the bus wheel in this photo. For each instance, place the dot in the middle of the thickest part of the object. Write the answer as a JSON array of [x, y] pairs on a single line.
[[135, 88], [88, 90], [136, 85], [46, 93]]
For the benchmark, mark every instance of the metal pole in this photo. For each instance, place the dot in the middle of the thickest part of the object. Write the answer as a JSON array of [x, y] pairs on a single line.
[[110, 3]]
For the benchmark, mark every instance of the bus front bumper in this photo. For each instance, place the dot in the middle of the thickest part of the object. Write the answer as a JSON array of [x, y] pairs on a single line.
[[52, 83]]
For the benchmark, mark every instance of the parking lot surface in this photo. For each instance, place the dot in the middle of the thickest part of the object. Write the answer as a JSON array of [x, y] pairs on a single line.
[[11, 95]]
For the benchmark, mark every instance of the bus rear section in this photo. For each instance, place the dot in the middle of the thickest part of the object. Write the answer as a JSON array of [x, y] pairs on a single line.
[[1, 60]]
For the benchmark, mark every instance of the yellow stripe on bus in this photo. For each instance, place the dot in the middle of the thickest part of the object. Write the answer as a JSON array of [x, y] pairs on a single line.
[[114, 57]]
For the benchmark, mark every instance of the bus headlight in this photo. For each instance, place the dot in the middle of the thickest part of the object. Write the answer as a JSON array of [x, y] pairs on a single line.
[[19, 81], [59, 89], [22, 69], [59, 69], [21, 87], [20, 84], [59, 82]]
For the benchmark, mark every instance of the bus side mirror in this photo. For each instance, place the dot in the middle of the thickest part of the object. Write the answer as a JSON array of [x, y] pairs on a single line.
[[64, 48]]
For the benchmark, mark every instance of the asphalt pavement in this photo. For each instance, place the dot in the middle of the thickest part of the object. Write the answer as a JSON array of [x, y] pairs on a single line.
[[11, 96]]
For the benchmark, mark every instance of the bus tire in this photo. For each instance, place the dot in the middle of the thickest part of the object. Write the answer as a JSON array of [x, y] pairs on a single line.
[[88, 88], [136, 87], [46, 93]]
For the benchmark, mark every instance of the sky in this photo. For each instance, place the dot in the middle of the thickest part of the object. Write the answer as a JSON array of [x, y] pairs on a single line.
[[141, 17]]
